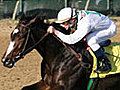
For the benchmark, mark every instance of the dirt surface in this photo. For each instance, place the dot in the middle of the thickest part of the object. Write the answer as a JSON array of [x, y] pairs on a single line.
[[27, 70]]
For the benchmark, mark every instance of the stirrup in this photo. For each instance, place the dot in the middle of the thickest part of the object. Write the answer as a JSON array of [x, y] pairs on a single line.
[[104, 68]]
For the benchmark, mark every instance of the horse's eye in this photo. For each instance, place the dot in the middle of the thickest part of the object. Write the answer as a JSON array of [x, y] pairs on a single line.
[[13, 36]]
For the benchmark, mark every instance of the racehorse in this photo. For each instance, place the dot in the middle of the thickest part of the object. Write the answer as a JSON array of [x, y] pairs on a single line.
[[63, 70]]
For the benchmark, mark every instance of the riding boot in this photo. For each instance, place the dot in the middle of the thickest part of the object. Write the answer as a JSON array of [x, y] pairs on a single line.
[[105, 43], [102, 58]]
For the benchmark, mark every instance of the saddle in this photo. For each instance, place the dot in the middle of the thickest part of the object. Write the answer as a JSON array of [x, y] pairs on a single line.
[[112, 51]]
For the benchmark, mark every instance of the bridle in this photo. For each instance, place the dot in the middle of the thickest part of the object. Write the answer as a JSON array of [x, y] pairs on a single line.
[[35, 43], [22, 54]]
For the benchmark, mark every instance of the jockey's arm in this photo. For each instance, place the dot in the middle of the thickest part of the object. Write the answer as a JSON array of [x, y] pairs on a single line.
[[82, 30]]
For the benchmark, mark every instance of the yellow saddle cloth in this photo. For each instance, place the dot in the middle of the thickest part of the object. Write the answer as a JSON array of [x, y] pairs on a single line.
[[114, 50]]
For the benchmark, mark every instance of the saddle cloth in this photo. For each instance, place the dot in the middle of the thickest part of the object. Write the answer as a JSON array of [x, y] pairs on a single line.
[[114, 50]]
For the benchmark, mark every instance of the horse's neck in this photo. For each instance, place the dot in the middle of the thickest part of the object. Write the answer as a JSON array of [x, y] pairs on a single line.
[[61, 62], [51, 47]]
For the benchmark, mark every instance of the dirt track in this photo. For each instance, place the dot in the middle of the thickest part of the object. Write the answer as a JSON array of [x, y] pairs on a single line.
[[27, 70]]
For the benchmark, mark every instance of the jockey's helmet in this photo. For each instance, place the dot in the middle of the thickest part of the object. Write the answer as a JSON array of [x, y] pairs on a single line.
[[66, 14]]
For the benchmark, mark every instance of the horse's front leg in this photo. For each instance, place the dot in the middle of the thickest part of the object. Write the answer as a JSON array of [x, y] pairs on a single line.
[[43, 69]]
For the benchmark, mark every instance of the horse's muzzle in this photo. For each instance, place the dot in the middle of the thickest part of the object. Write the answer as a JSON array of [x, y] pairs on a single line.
[[9, 63]]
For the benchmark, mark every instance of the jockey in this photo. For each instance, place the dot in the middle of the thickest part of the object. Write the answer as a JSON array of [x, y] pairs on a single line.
[[95, 26]]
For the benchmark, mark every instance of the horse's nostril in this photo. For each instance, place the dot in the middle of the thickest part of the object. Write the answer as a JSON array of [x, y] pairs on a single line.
[[8, 62]]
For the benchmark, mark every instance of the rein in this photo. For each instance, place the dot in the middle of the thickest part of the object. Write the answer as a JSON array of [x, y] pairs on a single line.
[[35, 44], [32, 47], [77, 55], [22, 54]]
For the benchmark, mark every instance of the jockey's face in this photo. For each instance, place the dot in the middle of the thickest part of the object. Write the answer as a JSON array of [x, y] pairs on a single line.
[[69, 24]]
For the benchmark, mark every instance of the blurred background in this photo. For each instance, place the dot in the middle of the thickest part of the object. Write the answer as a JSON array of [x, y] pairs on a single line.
[[51, 7]]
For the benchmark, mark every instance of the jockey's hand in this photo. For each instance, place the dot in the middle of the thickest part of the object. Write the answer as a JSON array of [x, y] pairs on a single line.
[[50, 29]]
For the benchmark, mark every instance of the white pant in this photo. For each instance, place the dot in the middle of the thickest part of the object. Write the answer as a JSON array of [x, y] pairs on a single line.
[[95, 37]]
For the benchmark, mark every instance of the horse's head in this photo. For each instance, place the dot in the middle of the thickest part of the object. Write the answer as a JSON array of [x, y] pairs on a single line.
[[21, 41]]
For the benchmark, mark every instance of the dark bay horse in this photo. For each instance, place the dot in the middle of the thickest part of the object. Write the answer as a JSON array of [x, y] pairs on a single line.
[[63, 71]]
